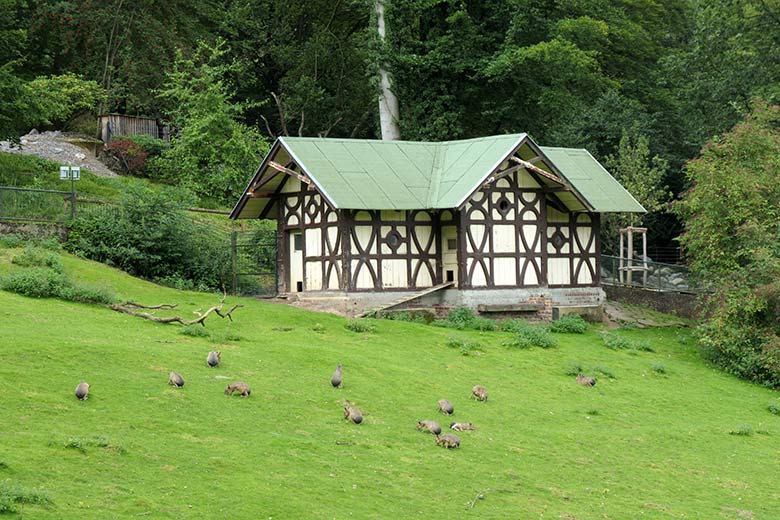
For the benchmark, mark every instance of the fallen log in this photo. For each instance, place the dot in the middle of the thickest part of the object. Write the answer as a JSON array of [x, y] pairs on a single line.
[[131, 308]]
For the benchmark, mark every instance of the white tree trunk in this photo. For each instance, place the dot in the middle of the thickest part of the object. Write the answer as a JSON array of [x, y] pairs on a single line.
[[388, 104]]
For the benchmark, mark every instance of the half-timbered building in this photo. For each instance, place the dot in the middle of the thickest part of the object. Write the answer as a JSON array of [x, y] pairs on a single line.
[[496, 223]]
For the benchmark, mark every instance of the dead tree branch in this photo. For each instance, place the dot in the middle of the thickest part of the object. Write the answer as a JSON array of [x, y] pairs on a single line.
[[131, 308]]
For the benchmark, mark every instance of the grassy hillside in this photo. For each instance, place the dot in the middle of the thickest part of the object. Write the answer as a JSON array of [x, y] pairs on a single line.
[[644, 444], [29, 171]]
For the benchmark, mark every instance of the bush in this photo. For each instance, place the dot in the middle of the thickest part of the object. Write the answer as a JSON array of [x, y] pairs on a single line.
[[571, 324], [359, 326], [744, 430], [195, 331], [12, 495], [774, 407], [527, 336], [33, 256], [616, 342], [604, 371], [35, 282], [464, 347], [150, 236], [125, 156], [82, 293], [413, 317], [573, 368], [658, 367], [12, 241]]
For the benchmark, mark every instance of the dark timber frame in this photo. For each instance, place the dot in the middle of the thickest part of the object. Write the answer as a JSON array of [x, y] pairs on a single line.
[[349, 250]]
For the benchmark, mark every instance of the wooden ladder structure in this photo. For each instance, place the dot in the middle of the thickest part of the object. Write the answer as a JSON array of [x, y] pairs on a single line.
[[406, 298]]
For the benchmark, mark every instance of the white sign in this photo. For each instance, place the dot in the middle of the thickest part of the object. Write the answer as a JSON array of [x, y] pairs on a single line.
[[70, 172]]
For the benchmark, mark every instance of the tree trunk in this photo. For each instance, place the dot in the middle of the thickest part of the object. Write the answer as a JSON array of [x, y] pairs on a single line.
[[388, 103]]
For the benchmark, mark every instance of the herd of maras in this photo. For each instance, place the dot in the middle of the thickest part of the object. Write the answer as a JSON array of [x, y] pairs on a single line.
[[175, 379], [351, 412]]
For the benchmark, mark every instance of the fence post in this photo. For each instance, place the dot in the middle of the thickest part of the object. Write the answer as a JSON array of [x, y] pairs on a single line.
[[72, 200], [233, 261]]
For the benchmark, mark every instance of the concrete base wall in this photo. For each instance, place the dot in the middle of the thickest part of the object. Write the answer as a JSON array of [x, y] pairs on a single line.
[[352, 304], [679, 304]]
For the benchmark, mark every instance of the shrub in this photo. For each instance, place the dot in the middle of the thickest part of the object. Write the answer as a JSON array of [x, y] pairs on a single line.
[[33, 256], [527, 335], [35, 282], [616, 342], [83, 293], [658, 367], [12, 495], [571, 324], [318, 328], [123, 155], [573, 368], [464, 347], [774, 407], [12, 241], [462, 315], [195, 331], [483, 324], [744, 430], [604, 371], [460, 318], [359, 326], [150, 236], [413, 316]]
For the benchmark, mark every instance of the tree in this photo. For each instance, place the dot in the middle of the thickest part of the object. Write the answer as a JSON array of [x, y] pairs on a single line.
[[213, 153], [732, 239], [643, 177]]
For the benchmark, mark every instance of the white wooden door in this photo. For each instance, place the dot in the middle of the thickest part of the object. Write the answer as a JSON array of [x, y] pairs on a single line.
[[296, 261]]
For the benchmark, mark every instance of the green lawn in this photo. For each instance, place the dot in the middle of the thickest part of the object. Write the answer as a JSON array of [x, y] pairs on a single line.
[[641, 445]]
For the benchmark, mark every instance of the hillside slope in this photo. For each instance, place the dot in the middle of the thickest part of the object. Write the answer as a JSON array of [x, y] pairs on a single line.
[[643, 444]]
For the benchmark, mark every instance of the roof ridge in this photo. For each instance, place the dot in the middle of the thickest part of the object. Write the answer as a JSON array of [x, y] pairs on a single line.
[[436, 169]]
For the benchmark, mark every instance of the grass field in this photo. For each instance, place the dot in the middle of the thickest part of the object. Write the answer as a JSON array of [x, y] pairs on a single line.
[[659, 440]]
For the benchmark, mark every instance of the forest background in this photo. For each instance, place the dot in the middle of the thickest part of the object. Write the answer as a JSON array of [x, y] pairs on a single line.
[[641, 84]]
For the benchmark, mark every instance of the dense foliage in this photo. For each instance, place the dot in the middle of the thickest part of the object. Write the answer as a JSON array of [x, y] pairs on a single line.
[[150, 236], [732, 238]]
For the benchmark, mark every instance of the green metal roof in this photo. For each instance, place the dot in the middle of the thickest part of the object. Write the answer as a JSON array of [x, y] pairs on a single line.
[[369, 174], [365, 174], [592, 180]]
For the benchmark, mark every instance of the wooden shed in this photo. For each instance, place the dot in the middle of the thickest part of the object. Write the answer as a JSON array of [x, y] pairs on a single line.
[[495, 223], [112, 125]]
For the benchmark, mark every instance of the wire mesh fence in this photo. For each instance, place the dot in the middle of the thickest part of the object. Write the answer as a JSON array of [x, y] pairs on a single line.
[[33, 205], [253, 263], [649, 275]]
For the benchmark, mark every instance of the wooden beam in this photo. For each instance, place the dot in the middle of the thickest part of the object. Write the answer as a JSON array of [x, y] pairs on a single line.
[[258, 194], [537, 170], [503, 173], [279, 167]]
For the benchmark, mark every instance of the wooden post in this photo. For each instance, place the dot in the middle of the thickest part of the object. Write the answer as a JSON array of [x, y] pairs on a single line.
[[620, 265], [72, 197], [644, 259], [630, 256], [233, 262]]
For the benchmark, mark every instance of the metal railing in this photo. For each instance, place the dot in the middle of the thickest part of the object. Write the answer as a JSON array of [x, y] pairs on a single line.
[[658, 276], [34, 205]]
